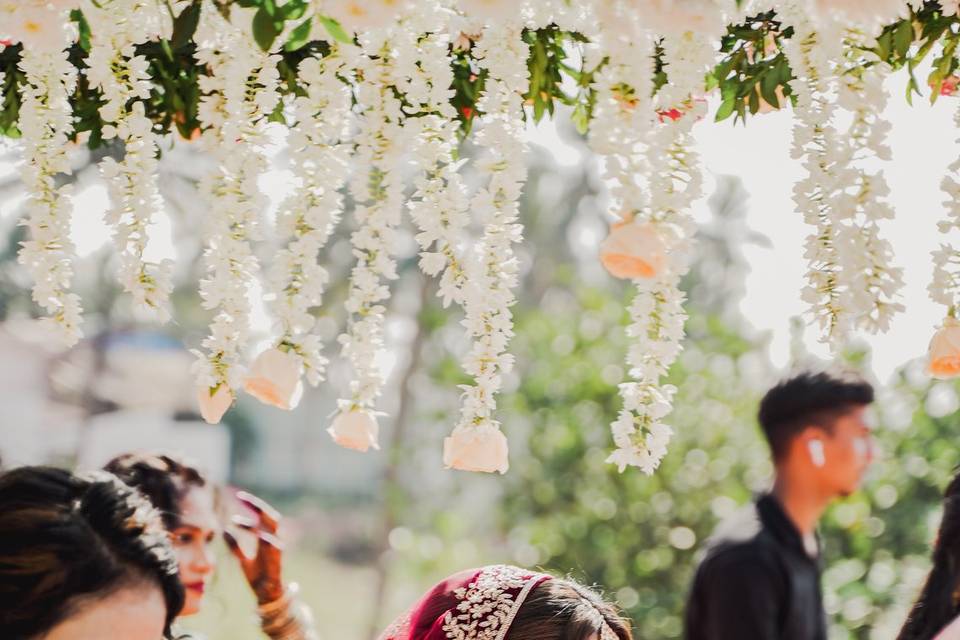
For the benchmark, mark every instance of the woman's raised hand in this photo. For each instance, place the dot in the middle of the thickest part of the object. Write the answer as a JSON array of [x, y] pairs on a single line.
[[263, 570]]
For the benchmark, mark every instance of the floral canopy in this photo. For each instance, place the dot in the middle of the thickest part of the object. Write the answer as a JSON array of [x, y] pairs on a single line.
[[367, 91]]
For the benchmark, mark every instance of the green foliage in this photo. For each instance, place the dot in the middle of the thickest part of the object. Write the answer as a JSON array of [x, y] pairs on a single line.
[[635, 535], [755, 67], [753, 71]]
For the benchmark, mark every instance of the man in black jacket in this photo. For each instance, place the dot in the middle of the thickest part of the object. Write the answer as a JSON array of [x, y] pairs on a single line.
[[760, 577]]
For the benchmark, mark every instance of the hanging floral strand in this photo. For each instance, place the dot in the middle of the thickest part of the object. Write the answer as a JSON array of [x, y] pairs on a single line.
[[827, 163], [943, 358], [624, 116], [45, 124], [239, 95], [866, 257], [439, 206], [124, 83], [377, 189], [477, 444], [320, 159], [655, 229]]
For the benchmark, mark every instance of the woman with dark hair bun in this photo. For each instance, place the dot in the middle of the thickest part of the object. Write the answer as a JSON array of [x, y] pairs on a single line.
[[187, 504], [80, 554]]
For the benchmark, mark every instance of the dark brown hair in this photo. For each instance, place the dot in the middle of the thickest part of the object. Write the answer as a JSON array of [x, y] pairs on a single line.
[[66, 537], [565, 610], [163, 479], [808, 398]]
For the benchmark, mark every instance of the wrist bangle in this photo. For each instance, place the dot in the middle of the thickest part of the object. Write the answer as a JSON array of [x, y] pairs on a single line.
[[283, 602]]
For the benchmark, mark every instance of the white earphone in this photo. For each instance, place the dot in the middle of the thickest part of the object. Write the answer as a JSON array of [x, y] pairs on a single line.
[[817, 456]]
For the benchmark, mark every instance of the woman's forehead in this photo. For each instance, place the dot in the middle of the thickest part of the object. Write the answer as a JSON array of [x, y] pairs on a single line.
[[197, 509]]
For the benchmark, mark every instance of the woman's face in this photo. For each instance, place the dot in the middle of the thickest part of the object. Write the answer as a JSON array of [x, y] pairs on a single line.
[[193, 544], [136, 612]]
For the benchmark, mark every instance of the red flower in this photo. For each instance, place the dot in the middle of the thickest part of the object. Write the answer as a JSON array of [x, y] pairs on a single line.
[[949, 86], [467, 112], [674, 114]]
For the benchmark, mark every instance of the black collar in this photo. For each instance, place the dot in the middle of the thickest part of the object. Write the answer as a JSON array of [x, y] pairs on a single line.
[[778, 523]]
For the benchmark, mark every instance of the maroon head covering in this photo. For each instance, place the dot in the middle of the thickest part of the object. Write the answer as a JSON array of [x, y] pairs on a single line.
[[479, 604]]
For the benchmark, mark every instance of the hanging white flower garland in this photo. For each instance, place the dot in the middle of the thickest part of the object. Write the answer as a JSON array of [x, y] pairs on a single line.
[[944, 354], [874, 283], [377, 189], [660, 216], [239, 96], [320, 157], [477, 444], [45, 124], [624, 117], [826, 161], [439, 206], [124, 82]]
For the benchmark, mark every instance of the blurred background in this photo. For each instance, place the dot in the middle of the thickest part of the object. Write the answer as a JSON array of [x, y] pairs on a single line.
[[366, 534]]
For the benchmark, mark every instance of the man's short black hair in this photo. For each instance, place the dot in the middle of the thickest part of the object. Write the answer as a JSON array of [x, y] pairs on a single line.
[[808, 398]]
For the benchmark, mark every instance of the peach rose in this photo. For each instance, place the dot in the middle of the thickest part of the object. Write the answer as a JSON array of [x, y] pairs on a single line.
[[633, 250], [944, 353], [214, 402], [355, 429], [274, 379], [482, 448]]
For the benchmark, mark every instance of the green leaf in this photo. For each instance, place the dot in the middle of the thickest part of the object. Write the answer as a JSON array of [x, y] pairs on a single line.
[[726, 109], [293, 10], [335, 30], [83, 28], [185, 26], [299, 37], [264, 29], [885, 45], [768, 89], [754, 102], [903, 38]]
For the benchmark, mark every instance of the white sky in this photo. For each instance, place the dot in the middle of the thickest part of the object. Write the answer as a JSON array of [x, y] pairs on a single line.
[[922, 142]]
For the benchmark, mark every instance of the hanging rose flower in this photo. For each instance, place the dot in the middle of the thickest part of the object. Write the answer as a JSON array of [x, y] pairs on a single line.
[[274, 379], [355, 429], [476, 448], [943, 359], [214, 402], [633, 250]]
